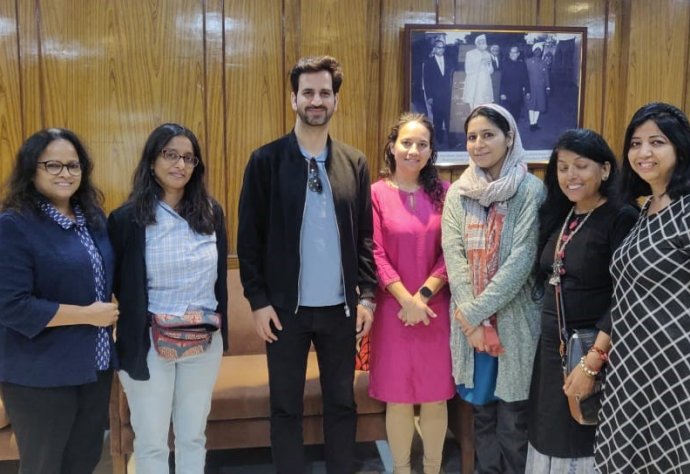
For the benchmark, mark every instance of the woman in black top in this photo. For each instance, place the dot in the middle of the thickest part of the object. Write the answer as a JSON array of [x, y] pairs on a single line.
[[581, 215]]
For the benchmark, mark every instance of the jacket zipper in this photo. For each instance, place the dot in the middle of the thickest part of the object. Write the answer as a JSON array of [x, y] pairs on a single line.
[[299, 251], [337, 228]]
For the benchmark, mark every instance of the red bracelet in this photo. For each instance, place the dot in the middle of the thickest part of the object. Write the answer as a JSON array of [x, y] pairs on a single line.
[[603, 355]]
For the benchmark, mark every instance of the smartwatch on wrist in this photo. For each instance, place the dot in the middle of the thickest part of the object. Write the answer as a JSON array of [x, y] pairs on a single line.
[[426, 292], [368, 303]]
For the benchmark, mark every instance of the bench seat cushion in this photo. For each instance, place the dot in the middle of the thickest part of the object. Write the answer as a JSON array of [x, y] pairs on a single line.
[[241, 391]]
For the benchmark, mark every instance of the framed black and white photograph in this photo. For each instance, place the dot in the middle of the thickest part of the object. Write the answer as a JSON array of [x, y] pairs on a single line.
[[537, 73]]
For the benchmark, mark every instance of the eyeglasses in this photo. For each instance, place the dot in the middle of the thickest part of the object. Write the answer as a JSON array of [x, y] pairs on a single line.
[[55, 167], [314, 182], [173, 157]]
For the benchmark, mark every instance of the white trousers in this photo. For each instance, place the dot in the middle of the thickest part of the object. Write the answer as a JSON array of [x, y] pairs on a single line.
[[179, 390]]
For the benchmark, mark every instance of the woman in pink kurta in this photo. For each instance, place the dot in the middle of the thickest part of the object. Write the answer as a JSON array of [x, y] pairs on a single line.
[[410, 339]]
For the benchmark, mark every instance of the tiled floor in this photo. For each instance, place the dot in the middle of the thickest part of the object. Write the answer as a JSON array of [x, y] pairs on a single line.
[[258, 460]]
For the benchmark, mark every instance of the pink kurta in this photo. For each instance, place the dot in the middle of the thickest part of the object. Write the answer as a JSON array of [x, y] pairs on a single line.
[[408, 364]]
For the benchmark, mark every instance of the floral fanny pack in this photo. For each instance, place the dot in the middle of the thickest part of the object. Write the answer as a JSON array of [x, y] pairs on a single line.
[[175, 337]]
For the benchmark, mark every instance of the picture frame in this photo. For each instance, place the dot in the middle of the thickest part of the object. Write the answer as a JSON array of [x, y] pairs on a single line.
[[537, 74]]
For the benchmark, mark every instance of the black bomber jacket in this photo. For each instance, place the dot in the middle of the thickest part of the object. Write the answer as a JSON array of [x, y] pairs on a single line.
[[271, 210]]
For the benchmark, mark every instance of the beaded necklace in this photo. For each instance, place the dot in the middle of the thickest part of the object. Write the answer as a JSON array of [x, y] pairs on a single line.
[[557, 269]]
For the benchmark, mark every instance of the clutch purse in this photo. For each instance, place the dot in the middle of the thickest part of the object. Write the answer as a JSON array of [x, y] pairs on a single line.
[[584, 410]]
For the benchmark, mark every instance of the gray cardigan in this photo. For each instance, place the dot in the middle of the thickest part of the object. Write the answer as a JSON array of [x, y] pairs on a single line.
[[508, 294]]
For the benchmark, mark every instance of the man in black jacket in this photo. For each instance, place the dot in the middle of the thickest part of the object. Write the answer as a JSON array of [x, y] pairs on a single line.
[[306, 264], [514, 83]]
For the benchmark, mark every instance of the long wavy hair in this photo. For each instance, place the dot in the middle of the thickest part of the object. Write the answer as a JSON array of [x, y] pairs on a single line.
[[586, 143], [428, 176], [21, 194], [674, 124], [195, 205]]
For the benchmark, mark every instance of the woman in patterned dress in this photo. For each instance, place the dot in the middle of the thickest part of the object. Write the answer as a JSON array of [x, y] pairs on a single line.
[[645, 417], [410, 355]]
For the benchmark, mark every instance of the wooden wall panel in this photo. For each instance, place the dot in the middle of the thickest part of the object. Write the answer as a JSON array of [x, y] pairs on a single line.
[[349, 31], [114, 70], [98, 80], [615, 77], [658, 48], [214, 101], [445, 12], [546, 13], [592, 15], [394, 15], [29, 48], [496, 12], [256, 90], [10, 106]]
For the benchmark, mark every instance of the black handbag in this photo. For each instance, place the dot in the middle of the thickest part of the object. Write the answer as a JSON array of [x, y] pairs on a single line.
[[574, 345], [584, 410]]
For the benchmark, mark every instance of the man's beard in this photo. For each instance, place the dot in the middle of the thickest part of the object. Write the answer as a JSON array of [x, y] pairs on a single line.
[[315, 120]]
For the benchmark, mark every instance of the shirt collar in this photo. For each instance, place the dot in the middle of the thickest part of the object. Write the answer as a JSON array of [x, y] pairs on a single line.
[[62, 220], [321, 157]]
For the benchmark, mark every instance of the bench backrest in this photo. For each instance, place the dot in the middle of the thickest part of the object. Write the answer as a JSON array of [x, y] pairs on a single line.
[[243, 337]]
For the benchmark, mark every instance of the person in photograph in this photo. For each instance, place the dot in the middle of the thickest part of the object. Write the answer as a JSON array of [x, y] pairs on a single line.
[[478, 69], [645, 415], [412, 300], [305, 252], [438, 86], [489, 234], [496, 65], [514, 83], [583, 222], [171, 262], [539, 84], [56, 313]]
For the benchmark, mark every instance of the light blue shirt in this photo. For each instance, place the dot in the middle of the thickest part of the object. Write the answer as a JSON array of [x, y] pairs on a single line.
[[181, 265], [321, 275]]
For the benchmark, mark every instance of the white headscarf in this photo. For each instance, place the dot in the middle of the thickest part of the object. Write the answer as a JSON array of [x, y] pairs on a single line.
[[474, 182]]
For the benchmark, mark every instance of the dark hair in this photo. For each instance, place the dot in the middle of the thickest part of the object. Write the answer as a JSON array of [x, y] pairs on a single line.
[[491, 114], [588, 144], [674, 124], [21, 194], [311, 64], [428, 176], [195, 206]]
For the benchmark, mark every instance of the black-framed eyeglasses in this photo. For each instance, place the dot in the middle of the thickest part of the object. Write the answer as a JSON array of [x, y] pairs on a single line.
[[314, 181], [172, 157], [55, 167]]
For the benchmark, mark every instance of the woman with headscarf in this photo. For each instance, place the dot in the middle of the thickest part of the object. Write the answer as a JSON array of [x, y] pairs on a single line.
[[489, 233]]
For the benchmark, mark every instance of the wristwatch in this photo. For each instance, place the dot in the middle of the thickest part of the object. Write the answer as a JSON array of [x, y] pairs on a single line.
[[368, 303], [426, 292]]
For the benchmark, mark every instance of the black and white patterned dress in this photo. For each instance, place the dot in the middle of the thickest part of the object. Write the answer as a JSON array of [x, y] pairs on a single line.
[[645, 416]]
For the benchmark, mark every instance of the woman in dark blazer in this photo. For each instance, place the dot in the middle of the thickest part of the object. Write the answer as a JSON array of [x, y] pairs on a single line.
[[56, 347]]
